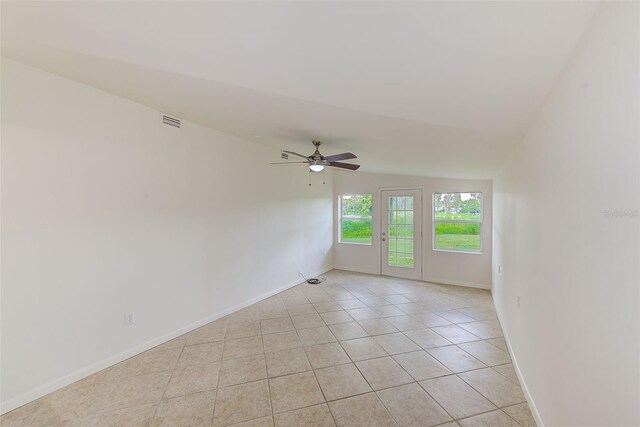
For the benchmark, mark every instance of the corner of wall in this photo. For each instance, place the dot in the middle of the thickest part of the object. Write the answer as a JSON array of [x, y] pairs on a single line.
[[516, 367]]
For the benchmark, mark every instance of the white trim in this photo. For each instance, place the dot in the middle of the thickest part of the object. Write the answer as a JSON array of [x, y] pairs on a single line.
[[79, 374], [400, 188], [457, 283], [357, 270], [458, 252], [516, 367]]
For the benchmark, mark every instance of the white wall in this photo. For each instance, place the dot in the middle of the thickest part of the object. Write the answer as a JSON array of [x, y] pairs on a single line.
[[574, 265], [106, 211], [439, 267]]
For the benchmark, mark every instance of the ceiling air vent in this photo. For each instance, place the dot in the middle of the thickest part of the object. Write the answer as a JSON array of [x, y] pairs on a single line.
[[171, 121]]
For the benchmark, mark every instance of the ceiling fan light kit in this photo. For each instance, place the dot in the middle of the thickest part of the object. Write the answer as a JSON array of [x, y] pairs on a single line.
[[316, 167], [317, 162]]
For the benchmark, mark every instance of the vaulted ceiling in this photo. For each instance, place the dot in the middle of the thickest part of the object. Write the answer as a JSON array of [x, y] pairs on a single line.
[[425, 88]]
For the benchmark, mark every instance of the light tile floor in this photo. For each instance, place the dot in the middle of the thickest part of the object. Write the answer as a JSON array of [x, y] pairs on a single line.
[[357, 350]]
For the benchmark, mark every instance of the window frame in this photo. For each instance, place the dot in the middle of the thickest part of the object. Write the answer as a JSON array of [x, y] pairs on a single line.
[[434, 221], [358, 219]]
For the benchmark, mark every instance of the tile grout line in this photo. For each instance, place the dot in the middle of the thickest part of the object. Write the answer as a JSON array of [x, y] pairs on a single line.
[[215, 400], [356, 290], [175, 368], [368, 383], [478, 391]]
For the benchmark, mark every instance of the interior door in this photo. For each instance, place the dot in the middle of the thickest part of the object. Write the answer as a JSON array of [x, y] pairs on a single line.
[[401, 233]]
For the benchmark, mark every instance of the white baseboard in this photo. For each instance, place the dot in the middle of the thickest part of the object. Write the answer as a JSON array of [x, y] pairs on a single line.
[[427, 279], [516, 367], [79, 374], [456, 283], [358, 270]]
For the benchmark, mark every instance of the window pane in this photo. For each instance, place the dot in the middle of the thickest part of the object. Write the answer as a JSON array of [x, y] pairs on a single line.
[[400, 218], [400, 204], [409, 203], [405, 231], [457, 236], [355, 218], [405, 260], [409, 217], [457, 206], [392, 259], [400, 260], [409, 247], [356, 205], [356, 230]]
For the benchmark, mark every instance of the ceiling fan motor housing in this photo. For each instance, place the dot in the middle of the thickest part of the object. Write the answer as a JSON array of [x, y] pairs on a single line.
[[317, 161]]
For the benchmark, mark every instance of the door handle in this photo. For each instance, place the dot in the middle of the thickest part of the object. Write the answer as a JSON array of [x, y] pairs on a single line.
[[384, 239]]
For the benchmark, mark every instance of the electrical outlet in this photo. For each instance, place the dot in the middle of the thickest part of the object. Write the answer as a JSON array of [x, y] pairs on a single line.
[[499, 269], [518, 301], [129, 319]]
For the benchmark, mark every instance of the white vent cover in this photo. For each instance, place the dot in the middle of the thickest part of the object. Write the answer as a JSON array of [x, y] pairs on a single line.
[[171, 121]]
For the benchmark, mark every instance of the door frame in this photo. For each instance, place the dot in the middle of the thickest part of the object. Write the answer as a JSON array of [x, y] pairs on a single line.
[[417, 240]]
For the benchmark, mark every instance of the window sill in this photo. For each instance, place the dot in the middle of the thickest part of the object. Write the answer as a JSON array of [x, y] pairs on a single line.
[[457, 252]]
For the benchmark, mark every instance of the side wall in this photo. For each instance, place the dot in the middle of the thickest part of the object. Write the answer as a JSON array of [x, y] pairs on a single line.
[[106, 211], [567, 233], [439, 267]]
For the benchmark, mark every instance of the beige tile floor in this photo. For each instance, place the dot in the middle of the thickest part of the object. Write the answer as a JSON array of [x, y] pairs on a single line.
[[357, 350]]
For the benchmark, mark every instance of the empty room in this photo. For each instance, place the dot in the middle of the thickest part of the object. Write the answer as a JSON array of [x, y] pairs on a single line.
[[320, 213]]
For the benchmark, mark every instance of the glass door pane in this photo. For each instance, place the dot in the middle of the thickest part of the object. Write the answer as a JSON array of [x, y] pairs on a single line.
[[401, 232]]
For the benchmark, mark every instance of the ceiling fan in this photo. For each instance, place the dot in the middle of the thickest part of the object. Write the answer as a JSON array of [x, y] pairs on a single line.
[[317, 161]]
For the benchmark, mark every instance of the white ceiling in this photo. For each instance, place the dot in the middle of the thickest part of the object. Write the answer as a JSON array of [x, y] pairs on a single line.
[[425, 88]]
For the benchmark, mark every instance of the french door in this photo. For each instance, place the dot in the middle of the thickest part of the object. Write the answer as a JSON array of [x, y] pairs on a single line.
[[401, 233]]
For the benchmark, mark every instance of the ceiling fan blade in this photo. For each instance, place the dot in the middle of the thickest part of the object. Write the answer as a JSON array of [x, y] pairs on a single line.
[[290, 163], [343, 165], [295, 154], [343, 156]]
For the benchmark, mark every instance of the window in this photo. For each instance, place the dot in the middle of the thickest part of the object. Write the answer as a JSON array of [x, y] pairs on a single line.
[[457, 222], [355, 219]]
